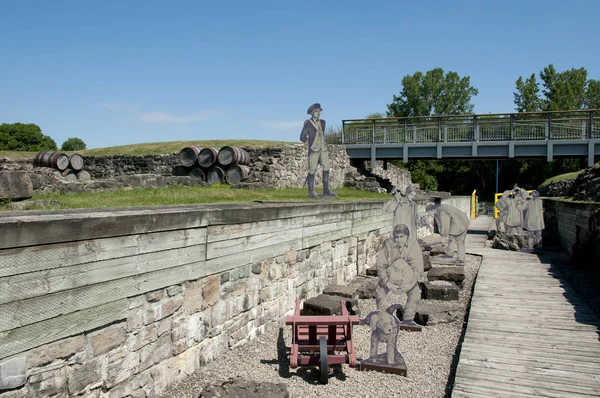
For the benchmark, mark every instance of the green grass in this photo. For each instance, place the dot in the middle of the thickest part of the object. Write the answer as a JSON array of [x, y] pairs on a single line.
[[155, 148], [181, 195], [562, 177]]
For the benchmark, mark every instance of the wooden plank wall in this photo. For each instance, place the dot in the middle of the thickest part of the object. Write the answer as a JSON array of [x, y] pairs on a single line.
[[64, 274]]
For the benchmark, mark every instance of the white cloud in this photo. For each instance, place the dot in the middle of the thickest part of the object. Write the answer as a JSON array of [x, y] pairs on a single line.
[[282, 124], [166, 117]]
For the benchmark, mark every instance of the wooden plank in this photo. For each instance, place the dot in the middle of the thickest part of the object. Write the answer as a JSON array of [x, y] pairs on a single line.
[[459, 385], [491, 336], [508, 350], [241, 258], [545, 320], [561, 359], [531, 369], [25, 312], [362, 230], [381, 219], [583, 385], [38, 258], [33, 284], [532, 360], [330, 233], [252, 242], [37, 334], [519, 389], [517, 346], [216, 233]]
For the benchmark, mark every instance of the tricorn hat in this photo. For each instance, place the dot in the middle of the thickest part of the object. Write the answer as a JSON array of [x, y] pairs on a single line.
[[313, 108]]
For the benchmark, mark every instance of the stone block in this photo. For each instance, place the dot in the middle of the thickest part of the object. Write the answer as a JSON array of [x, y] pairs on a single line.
[[13, 373], [58, 350], [15, 185], [156, 352], [245, 388], [372, 271], [290, 257], [426, 261], [79, 377], [155, 296], [429, 314], [365, 286], [105, 340], [174, 290], [47, 383], [325, 304], [450, 274], [210, 290], [346, 291], [440, 290]]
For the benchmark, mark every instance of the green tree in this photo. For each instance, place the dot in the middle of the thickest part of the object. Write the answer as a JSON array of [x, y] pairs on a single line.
[[527, 98], [375, 115], [433, 93], [592, 94], [24, 137], [73, 144]]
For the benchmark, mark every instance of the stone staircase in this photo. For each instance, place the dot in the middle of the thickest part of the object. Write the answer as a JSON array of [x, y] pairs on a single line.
[[372, 180]]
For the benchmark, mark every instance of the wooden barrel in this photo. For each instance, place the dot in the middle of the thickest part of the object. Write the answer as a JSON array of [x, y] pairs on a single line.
[[83, 175], [197, 172], [75, 161], [229, 155], [189, 155], [45, 159], [56, 160], [69, 174], [215, 175], [208, 156], [237, 173], [37, 160]]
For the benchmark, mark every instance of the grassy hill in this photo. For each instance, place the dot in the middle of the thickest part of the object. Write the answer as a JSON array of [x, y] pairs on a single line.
[[154, 148], [562, 177]]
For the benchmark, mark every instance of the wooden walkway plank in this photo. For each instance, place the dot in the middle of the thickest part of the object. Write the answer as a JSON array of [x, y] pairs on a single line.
[[528, 333]]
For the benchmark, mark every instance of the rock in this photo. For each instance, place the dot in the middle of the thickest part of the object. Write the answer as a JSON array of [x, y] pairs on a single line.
[[450, 274], [439, 290], [325, 304], [15, 185], [430, 241], [432, 314], [350, 291], [426, 261], [366, 286], [245, 388], [508, 242], [13, 373]]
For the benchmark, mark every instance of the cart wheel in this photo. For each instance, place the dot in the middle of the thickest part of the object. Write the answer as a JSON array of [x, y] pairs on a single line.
[[323, 360]]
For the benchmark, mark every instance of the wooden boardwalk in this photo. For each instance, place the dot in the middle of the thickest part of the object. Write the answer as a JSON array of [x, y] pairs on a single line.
[[528, 334]]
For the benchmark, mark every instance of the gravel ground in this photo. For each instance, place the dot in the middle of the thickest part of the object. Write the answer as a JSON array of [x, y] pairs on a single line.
[[429, 357]]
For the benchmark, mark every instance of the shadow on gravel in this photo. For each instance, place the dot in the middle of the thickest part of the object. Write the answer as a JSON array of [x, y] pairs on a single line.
[[309, 374]]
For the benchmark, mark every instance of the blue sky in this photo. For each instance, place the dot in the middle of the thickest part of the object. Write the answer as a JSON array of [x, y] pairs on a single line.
[[123, 72]]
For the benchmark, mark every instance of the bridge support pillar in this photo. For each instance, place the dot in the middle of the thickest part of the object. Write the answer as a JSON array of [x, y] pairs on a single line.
[[405, 153], [474, 150], [511, 149], [549, 151], [591, 144], [373, 157], [439, 150]]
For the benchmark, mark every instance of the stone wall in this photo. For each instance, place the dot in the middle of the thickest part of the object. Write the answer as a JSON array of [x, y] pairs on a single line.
[[461, 202], [274, 167], [115, 303], [576, 223]]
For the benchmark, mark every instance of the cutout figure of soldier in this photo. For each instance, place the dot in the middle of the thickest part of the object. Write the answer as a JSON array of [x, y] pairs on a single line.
[[514, 212], [405, 209], [313, 132], [533, 222], [400, 266], [453, 224]]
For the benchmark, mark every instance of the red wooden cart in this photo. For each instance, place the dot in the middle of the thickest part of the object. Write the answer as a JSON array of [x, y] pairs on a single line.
[[322, 335]]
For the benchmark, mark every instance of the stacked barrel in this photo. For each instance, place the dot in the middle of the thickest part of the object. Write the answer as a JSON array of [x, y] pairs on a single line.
[[67, 165], [214, 165]]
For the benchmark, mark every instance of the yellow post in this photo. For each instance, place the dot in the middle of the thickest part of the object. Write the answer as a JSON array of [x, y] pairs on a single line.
[[473, 204]]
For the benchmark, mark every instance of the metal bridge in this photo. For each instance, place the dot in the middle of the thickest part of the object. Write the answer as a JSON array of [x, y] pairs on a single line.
[[492, 136]]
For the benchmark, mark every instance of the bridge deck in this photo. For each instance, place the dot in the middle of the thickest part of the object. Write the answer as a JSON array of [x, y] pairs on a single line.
[[528, 333]]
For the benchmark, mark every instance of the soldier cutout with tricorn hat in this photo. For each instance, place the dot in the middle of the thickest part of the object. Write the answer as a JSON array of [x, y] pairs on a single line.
[[313, 133]]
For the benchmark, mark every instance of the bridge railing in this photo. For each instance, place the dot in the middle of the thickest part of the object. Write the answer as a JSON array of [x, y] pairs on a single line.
[[526, 126]]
